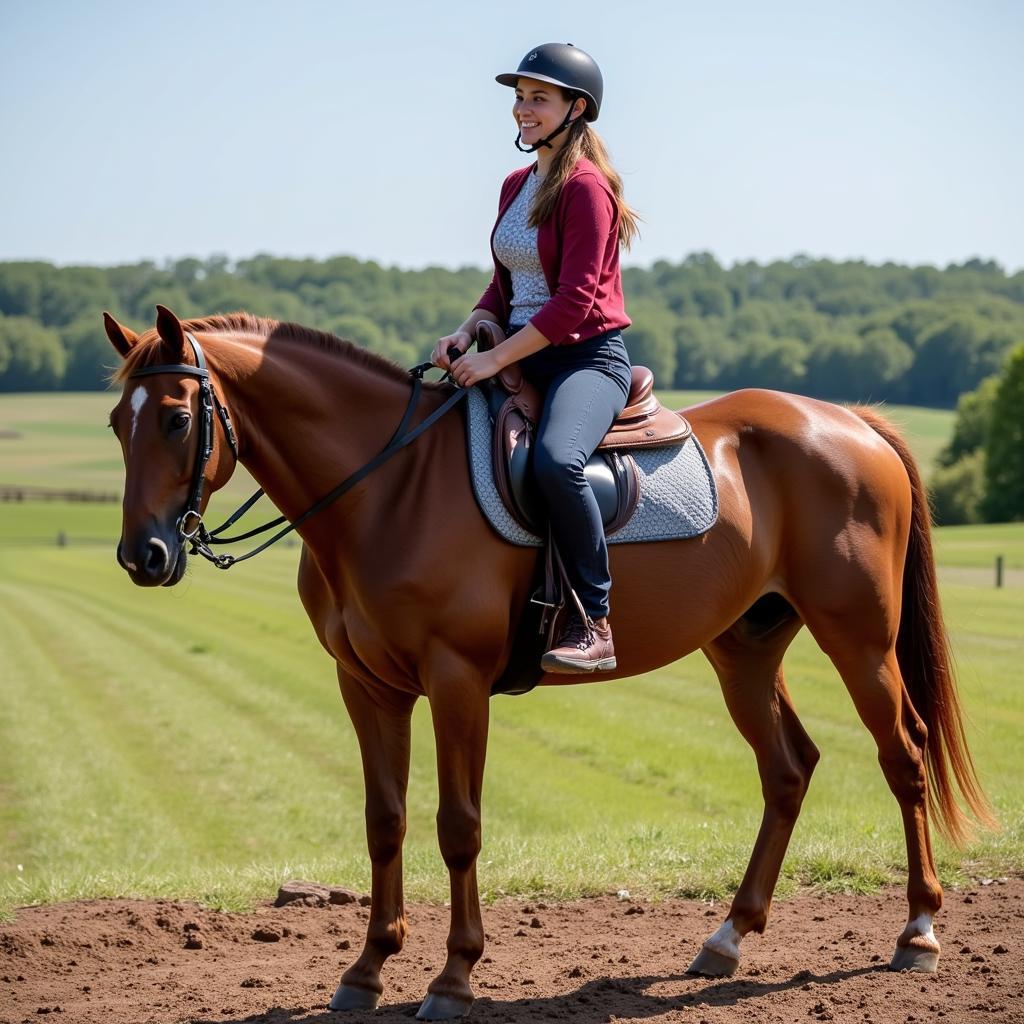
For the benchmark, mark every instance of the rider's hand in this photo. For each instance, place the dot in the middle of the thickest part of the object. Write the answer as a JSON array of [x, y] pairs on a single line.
[[460, 339], [475, 367]]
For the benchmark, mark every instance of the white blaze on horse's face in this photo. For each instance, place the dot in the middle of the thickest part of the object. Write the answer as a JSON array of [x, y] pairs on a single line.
[[138, 400]]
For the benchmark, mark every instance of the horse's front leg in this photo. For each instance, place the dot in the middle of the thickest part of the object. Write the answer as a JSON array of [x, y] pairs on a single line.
[[381, 722], [459, 708]]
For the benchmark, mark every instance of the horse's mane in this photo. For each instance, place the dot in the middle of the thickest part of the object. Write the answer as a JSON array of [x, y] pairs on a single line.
[[147, 351]]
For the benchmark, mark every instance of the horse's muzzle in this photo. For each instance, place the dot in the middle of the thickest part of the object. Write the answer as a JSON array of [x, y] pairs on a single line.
[[154, 563]]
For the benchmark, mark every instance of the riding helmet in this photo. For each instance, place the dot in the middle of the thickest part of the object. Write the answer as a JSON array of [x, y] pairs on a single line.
[[565, 65]]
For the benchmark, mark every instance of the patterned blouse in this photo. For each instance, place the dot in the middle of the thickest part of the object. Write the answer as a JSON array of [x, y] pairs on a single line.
[[515, 245]]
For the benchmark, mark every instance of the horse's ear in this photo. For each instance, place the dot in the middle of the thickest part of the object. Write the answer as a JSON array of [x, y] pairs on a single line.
[[168, 326], [120, 337]]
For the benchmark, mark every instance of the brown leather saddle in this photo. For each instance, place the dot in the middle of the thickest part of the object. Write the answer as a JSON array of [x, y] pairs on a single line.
[[515, 406]]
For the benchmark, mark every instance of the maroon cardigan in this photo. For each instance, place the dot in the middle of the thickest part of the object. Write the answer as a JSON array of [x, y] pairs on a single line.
[[578, 247]]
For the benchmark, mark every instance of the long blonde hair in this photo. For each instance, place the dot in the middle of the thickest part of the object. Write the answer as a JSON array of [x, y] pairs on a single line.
[[583, 141]]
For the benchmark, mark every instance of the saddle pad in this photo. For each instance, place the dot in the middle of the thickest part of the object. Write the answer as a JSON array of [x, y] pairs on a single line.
[[678, 497]]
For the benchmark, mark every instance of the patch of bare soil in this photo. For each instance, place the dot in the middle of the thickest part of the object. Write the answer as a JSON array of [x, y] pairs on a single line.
[[823, 958]]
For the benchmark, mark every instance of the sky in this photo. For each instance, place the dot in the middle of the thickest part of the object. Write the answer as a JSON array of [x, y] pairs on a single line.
[[883, 131]]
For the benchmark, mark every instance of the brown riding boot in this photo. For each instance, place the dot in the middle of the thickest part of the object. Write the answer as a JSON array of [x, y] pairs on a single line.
[[584, 646]]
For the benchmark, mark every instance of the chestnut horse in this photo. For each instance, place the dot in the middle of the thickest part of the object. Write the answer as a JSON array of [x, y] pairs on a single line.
[[823, 523]]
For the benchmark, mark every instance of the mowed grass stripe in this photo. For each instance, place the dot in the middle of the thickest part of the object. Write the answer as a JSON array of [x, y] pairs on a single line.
[[164, 736], [83, 778], [281, 739], [181, 703], [122, 715]]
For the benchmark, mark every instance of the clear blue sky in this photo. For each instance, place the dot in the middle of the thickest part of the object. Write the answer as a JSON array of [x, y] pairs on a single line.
[[876, 130]]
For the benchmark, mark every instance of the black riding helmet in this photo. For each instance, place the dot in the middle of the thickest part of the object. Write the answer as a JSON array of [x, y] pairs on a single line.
[[564, 65]]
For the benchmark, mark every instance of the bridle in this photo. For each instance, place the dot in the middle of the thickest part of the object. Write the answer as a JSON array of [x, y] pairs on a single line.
[[190, 523], [190, 527]]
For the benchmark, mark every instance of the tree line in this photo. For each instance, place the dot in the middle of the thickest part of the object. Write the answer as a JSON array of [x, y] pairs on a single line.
[[979, 476], [837, 330]]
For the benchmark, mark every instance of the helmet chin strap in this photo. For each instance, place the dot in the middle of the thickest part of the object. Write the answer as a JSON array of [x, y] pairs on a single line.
[[547, 141]]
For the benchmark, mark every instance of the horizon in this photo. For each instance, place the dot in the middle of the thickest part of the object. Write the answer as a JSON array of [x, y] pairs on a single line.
[[232, 263]]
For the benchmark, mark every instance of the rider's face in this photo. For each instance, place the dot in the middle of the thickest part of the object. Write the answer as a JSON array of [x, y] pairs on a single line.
[[539, 109]]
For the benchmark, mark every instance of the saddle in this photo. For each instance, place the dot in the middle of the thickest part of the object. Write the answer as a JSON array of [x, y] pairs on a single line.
[[515, 406]]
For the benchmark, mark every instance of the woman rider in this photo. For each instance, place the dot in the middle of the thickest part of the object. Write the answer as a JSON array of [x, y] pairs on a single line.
[[557, 288]]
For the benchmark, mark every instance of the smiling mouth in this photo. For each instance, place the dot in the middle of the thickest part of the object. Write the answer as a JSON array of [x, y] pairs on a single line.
[[529, 124]]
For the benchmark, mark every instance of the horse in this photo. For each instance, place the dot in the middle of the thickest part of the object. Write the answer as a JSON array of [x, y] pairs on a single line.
[[823, 522]]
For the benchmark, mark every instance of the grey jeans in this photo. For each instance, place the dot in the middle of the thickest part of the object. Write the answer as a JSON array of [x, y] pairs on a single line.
[[585, 386]]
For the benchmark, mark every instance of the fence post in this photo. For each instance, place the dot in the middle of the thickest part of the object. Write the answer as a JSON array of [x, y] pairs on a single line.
[[999, 570]]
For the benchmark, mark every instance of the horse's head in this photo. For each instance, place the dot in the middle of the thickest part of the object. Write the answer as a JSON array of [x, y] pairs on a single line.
[[160, 424]]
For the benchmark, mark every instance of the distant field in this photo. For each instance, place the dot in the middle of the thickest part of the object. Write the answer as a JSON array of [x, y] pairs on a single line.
[[191, 742], [63, 440]]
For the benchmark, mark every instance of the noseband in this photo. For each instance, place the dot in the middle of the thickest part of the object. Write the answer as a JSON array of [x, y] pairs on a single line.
[[190, 527]]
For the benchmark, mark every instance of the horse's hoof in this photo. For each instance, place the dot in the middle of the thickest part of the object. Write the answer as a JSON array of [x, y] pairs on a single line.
[[443, 1008], [351, 997], [914, 958], [712, 965]]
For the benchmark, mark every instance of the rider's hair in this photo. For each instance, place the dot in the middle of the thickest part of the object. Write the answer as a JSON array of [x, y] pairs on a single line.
[[583, 141]]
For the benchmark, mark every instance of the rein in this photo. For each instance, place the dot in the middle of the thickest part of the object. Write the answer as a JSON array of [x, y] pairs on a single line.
[[190, 526]]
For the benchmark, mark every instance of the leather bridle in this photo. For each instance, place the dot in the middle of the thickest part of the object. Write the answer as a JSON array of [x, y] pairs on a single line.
[[190, 522], [190, 527]]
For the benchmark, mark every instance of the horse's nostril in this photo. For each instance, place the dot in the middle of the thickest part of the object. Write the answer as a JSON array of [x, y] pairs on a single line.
[[156, 557]]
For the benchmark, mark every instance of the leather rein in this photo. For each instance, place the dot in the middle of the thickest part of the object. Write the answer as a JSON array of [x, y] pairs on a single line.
[[190, 526]]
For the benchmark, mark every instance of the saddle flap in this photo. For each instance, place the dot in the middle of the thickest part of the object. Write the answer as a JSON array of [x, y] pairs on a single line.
[[516, 405], [612, 475], [511, 464]]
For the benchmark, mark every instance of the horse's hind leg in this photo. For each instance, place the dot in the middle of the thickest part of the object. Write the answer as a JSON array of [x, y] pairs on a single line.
[[383, 734], [750, 671], [870, 670]]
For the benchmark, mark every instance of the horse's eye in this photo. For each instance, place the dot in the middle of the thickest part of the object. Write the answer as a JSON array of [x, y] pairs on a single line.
[[179, 421]]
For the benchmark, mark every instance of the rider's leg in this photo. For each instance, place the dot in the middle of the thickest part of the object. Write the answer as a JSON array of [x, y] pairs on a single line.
[[579, 407]]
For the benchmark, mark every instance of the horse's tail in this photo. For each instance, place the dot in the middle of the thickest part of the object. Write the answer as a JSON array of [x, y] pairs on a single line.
[[926, 663]]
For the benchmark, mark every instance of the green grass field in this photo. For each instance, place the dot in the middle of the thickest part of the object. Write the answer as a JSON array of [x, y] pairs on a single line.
[[191, 742]]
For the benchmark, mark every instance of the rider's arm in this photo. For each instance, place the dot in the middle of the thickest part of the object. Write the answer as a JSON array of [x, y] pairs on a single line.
[[519, 345], [589, 240], [478, 315]]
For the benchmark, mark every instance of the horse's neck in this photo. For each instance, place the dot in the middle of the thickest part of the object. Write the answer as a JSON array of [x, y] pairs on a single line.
[[309, 418]]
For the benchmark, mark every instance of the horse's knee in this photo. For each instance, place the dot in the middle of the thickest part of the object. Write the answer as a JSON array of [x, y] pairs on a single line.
[[385, 831], [458, 833]]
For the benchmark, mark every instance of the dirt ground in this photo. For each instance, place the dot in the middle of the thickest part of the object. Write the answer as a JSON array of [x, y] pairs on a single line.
[[823, 958]]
